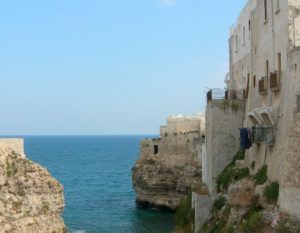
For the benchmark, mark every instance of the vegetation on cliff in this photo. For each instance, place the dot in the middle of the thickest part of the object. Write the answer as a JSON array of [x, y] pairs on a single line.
[[247, 204], [30, 199]]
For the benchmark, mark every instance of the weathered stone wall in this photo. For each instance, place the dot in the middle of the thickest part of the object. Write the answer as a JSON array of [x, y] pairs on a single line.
[[276, 33], [169, 166], [289, 159], [202, 205], [223, 119], [15, 144], [30, 199]]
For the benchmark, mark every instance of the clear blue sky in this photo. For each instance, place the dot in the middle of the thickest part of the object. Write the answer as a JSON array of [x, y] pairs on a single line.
[[109, 66]]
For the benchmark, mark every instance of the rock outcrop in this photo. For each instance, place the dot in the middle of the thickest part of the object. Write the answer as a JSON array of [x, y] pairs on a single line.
[[161, 185], [169, 167], [30, 199]]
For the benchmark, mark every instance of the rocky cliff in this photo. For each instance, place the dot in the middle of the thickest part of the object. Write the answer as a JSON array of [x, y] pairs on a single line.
[[30, 199], [169, 166]]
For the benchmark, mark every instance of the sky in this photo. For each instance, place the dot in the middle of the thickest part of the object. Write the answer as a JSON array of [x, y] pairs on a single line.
[[109, 66]]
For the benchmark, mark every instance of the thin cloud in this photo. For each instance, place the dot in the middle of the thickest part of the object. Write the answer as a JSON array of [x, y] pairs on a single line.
[[167, 3]]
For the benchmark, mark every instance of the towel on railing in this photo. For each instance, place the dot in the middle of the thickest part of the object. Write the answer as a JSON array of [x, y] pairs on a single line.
[[245, 138]]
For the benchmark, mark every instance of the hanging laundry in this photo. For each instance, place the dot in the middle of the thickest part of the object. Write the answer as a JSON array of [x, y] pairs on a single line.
[[245, 138]]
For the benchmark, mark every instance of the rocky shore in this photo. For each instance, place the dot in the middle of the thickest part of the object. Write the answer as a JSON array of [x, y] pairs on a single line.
[[31, 200], [169, 167]]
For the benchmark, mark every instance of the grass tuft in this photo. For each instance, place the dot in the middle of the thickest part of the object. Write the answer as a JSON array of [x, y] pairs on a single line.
[[261, 176], [271, 192]]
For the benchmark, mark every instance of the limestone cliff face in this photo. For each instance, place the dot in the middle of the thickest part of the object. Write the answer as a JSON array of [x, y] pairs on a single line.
[[30, 199], [161, 184], [168, 167]]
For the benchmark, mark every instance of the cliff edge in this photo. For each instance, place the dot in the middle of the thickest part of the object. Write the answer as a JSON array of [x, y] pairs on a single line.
[[30, 199], [169, 166]]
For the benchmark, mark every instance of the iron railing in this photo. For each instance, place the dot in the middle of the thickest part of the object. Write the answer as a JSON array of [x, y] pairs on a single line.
[[263, 135], [221, 94], [275, 81], [262, 86]]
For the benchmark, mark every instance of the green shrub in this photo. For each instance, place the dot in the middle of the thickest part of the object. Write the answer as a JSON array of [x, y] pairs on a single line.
[[184, 213], [271, 192], [240, 155], [261, 176], [11, 169], [217, 228], [219, 203], [231, 174], [225, 178], [253, 222], [240, 174], [230, 229]]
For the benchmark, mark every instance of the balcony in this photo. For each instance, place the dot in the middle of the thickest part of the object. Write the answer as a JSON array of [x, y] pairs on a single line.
[[263, 135], [262, 86], [223, 94], [275, 81]]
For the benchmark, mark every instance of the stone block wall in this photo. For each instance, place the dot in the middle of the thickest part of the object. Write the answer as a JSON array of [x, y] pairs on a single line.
[[15, 144], [223, 120]]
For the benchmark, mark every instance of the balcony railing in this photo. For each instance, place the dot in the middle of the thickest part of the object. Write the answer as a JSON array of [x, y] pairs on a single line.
[[275, 81], [262, 86], [220, 94], [264, 135]]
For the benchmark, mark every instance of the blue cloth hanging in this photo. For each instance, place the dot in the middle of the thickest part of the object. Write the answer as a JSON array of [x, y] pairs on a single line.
[[245, 137]]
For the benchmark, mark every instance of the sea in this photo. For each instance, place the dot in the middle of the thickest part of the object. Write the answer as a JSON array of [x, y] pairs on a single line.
[[96, 174]]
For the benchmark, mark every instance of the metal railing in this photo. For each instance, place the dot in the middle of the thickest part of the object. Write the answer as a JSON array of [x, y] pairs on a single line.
[[221, 94], [275, 81], [263, 135]]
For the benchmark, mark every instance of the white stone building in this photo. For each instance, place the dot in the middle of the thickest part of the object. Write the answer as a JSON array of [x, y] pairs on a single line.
[[265, 63]]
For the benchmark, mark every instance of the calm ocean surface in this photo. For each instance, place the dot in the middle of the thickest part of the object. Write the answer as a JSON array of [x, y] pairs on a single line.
[[96, 174]]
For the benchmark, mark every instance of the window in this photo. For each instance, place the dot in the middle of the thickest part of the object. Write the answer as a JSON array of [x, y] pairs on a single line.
[[298, 103], [254, 81], [155, 147], [266, 9], [249, 25], [279, 64], [267, 68], [244, 35]]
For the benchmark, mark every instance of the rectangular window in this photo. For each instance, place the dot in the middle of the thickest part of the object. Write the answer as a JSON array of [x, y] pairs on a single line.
[[254, 81], [279, 63], [298, 103], [155, 149], [267, 68], [244, 35], [266, 9]]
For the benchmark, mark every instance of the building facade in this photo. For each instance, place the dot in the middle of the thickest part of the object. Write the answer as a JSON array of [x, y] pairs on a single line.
[[264, 63]]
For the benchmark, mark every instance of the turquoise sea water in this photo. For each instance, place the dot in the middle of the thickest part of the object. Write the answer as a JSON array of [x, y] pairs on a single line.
[[96, 174]]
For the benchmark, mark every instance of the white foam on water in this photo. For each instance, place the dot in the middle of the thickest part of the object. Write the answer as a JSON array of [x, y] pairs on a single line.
[[79, 231]]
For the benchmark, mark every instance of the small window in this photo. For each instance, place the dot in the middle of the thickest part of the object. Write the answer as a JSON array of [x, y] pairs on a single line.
[[266, 9], [249, 25], [279, 63], [298, 103], [244, 35], [267, 68], [155, 149], [254, 81]]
